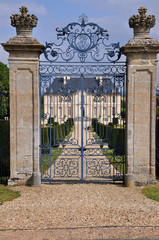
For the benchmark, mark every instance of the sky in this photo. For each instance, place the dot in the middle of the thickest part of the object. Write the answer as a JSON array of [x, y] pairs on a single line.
[[112, 15]]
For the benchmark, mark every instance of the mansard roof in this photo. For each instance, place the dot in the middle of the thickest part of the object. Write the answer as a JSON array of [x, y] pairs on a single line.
[[90, 85]]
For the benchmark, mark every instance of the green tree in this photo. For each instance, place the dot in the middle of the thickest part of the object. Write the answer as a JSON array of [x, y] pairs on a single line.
[[4, 90]]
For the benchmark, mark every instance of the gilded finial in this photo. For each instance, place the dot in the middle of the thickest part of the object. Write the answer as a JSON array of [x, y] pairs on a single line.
[[142, 11], [23, 10]]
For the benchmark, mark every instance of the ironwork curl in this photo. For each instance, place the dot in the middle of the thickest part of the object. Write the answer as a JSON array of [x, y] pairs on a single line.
[[98, 168], [76, 70], [66, 167], [71, 152], [93, 152], [84, 40]]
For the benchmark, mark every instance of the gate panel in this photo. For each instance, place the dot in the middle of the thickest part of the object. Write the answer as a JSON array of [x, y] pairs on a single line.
[[83, 107], [60, 135]]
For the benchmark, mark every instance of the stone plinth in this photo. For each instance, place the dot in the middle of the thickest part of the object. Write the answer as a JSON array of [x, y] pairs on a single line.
[[141, 52], [24, 52]]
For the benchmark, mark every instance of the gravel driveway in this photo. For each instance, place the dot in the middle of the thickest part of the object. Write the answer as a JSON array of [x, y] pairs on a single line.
[[79, 211]]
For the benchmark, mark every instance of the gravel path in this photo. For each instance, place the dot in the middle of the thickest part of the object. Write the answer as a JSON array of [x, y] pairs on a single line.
[[82, 211]]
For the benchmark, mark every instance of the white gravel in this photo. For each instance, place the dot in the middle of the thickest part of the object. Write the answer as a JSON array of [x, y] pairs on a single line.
[[78, 205]]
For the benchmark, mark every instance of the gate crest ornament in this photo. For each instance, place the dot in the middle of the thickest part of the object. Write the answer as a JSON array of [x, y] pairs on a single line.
[[85, 40]]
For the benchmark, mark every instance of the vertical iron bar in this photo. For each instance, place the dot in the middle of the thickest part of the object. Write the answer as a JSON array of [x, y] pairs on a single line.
[[82, 78], [40, 128], [50, 127]]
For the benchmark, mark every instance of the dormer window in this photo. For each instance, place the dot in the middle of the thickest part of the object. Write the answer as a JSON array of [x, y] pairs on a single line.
[[100, 81], [64, 80]]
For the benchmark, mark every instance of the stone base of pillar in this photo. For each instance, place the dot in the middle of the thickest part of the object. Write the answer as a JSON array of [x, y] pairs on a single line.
[[33, 180], [15, 181], [36, 177], [129, 180], [132, 180]]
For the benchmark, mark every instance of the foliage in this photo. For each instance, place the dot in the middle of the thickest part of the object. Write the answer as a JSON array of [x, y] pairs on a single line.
[[5, 151], [115, 121], [49, 159], [54, 134], [42, 106], [115, 137], [4, 90], [116, 160], [152, 192], [157, 106], [157, 111], [51, 121], [157, 100], [7, 194]]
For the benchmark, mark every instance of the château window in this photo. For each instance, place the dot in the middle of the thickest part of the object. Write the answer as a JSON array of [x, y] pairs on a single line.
[[69, 111], [60, 112], [104, 99], [104, 111], [95, 111], [95, 99], [52, 111], [52, 100], [60, 99]]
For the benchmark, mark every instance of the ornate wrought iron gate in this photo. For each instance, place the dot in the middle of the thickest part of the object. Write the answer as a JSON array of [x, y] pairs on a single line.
[[82, 96]]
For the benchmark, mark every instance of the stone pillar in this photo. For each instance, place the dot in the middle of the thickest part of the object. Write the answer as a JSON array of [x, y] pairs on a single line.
[[24, 52], [141, 53]]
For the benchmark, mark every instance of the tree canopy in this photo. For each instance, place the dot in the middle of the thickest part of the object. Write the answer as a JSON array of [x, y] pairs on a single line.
[[4, 90]]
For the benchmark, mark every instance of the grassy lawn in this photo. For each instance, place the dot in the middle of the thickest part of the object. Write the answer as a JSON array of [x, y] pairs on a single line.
[[116, 160], [152, 191], [7, 194], [49, 159]]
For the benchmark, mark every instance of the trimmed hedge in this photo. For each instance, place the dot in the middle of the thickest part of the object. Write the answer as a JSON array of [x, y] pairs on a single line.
[[4, 150], [115, 137], [56, 133]]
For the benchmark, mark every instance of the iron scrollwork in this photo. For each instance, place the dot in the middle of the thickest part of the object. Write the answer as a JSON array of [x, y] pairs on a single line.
[[86, 69], [98, 168], [66, 167], [85, 41]]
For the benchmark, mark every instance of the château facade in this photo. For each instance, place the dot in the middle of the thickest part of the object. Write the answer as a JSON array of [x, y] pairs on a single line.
[[63, 99]]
